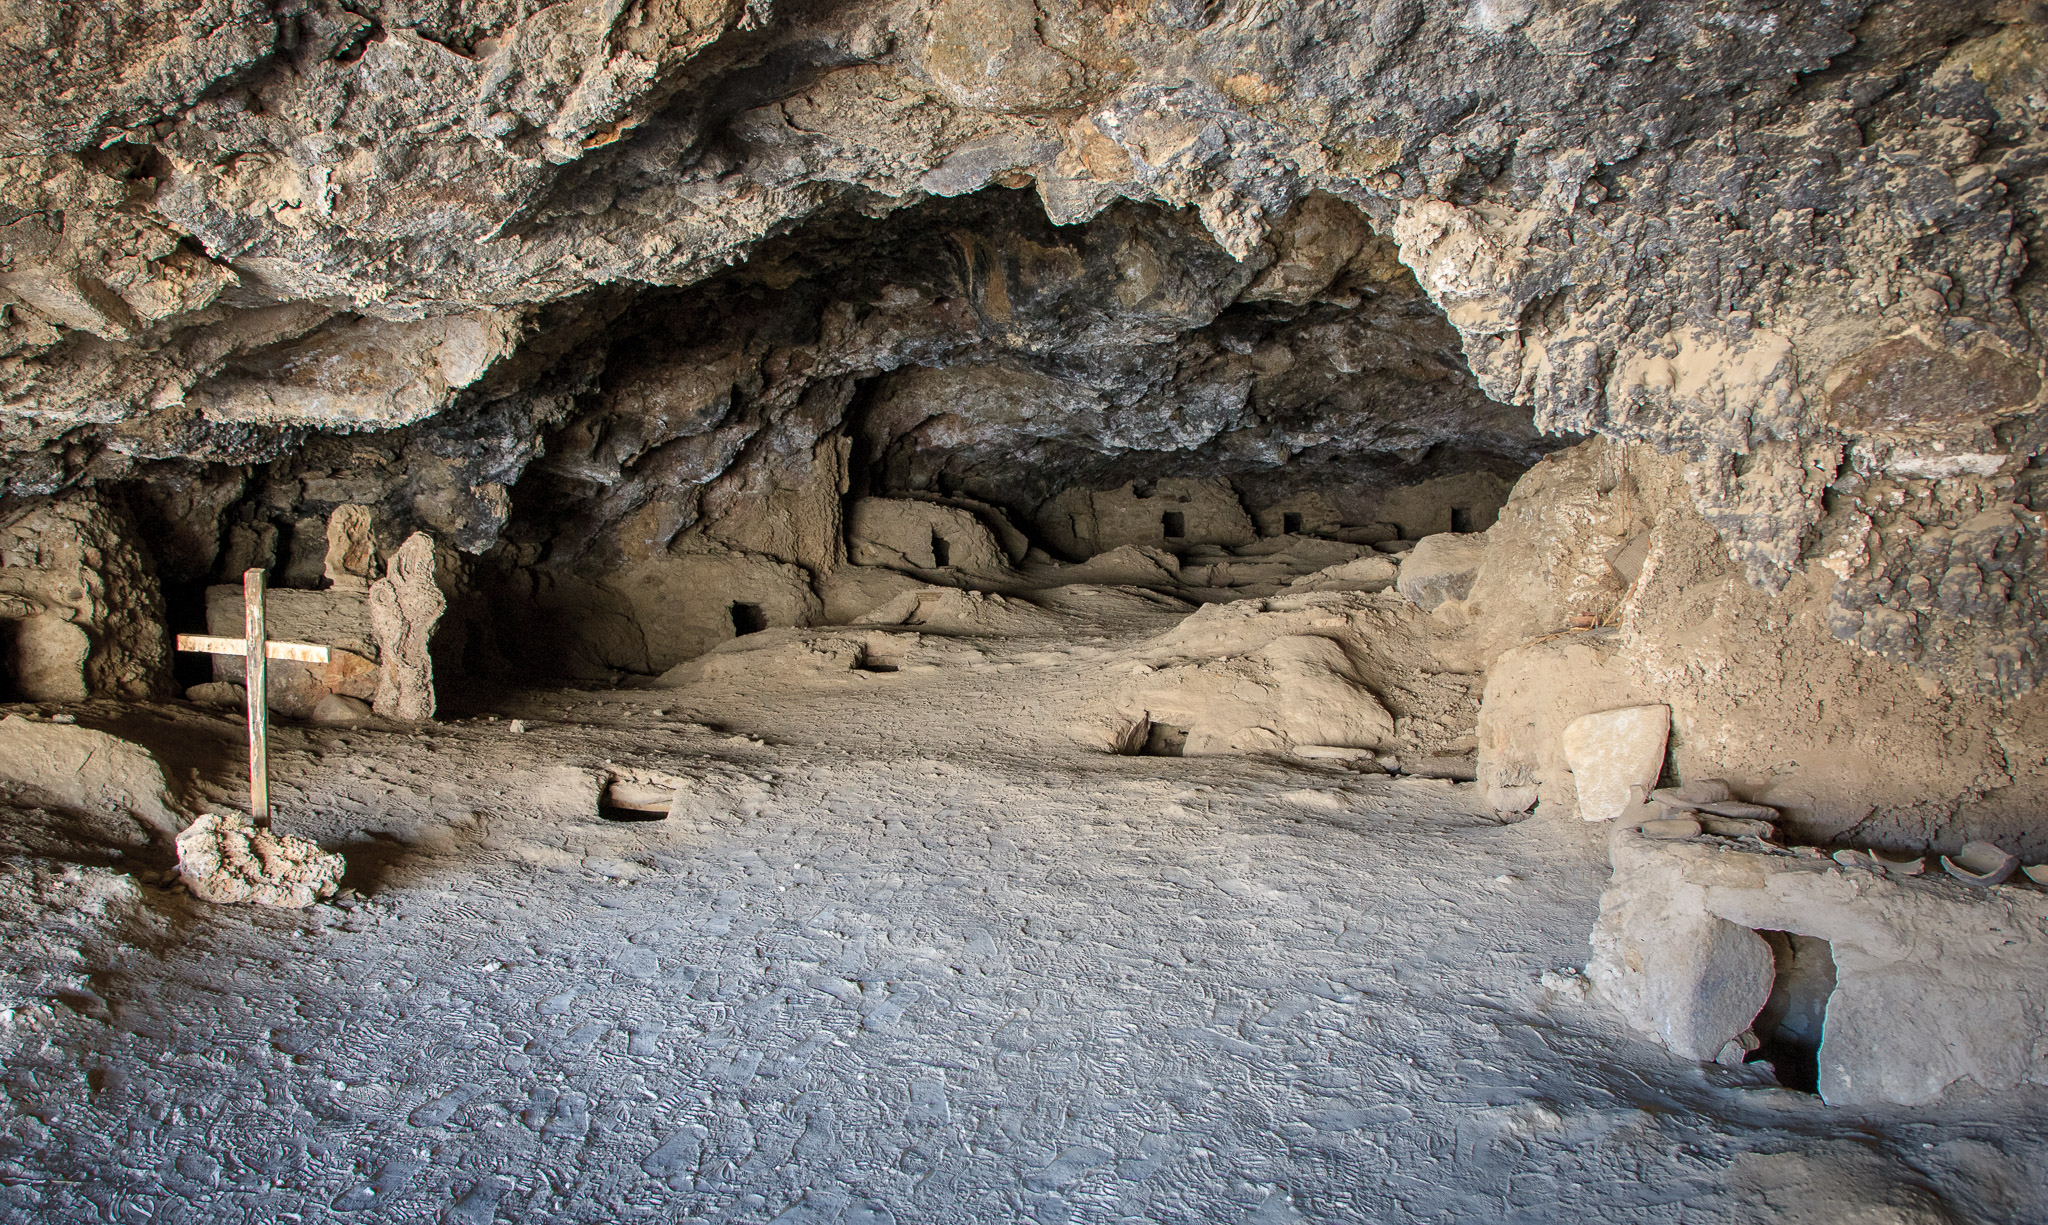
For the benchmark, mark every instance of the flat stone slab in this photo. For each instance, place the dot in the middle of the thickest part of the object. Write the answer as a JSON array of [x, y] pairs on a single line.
[[1613, 751], [89, 771]]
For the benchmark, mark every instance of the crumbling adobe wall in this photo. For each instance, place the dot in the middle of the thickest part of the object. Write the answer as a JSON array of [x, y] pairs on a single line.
[[84, 615], [1855, 747]]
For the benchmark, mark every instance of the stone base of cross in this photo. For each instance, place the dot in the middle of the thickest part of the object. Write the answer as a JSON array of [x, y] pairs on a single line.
[[258, 651]]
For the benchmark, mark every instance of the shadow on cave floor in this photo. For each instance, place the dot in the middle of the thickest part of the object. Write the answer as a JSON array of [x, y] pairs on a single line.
[[913, 912]]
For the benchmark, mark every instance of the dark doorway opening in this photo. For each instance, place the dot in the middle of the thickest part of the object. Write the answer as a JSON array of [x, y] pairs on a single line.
[[1174, 524], [628, 801], [942, 553], [748, 619], [1290, 523], [10, 687], [1788, 1030], [1149, 739], [1461, 518], [1164, 740]]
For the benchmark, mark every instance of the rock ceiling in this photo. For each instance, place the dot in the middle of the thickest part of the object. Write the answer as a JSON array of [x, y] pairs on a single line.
[[1787, 241]]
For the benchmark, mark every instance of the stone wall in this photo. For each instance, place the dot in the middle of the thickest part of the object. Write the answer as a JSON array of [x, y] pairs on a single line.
[[79, 603]]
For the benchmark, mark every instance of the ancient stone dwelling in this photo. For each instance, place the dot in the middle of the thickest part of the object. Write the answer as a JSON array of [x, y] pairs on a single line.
[[856, 611]]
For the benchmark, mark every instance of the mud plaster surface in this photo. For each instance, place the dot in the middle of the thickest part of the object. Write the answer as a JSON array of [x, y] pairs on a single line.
[[905, 952]]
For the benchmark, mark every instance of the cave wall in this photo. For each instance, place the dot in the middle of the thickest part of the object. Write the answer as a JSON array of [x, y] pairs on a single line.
[[1856, 749], [472, 262]]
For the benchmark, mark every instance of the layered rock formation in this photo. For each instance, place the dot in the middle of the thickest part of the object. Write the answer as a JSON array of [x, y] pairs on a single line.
[[265, 259]]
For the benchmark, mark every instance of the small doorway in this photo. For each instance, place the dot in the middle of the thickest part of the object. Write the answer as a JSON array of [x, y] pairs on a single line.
[[748, 619], [1174, 524], [1290, 523]]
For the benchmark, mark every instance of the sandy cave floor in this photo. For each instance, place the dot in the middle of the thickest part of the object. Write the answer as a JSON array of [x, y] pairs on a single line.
[[907, 952]]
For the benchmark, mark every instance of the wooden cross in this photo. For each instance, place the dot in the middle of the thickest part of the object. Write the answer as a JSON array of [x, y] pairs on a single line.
[[252, 646]]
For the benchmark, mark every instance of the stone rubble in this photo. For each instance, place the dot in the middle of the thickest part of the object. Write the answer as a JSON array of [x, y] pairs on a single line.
[[224, 857]]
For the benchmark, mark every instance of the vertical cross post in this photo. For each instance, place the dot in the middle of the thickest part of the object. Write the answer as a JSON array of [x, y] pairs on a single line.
[[255, 683], [257, 651]]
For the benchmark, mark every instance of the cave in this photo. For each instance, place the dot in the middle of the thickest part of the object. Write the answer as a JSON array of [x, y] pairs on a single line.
[[1197, 610]]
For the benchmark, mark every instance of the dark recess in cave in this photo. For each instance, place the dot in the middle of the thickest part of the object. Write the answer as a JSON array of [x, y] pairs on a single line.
[[1789, 1027]]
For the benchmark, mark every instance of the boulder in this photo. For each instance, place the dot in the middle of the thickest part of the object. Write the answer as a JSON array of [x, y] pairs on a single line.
[[405, 606], [1612, 752], [218, 693], [75, 767], [1296, 690], [1372, 572], [47, 659], [339, 710], [1441, 567], [224, 857]]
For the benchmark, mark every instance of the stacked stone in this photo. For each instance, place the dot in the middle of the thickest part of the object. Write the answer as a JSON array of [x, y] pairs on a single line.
[[1709, 806]]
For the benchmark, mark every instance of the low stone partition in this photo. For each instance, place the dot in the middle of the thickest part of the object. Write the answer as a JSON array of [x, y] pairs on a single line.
[[1934, 981]]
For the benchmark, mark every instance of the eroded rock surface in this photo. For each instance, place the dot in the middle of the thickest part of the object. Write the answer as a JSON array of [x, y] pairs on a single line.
[[225, 857], [1935, 982], [1787, 244]]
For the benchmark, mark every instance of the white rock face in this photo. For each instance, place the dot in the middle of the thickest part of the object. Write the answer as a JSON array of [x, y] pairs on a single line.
[[223, 857], [1936, 982], [1441, 567], [1688, 979], [1300, 689], [1612, 751], [86, 770]]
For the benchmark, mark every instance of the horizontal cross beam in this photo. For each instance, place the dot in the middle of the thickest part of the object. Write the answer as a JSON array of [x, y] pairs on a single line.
[[210, 645]]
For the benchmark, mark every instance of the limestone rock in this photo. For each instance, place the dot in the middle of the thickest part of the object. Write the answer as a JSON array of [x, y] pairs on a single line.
[[224, 857], [218, 693], [1762, 694], [86, 770], [1296, 690], [1612, 752], [338, 710], [405, 605], [1703, 980], [1441, 567], [1326, 193], [80, 611], [47, 659], [1935, 982], [350, 551]]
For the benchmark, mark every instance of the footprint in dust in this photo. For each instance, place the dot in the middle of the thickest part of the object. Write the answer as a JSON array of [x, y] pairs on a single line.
[[639, 963], [579, 1041], [678, 1156], [443, 1108], [1067, 1168], [384, 1184], [480, 1206], [1277, 1209], [928, 1102], [645, 1039], [570, 1119]]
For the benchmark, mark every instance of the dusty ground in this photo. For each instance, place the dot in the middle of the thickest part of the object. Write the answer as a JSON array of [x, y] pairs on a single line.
[[907, 951]]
